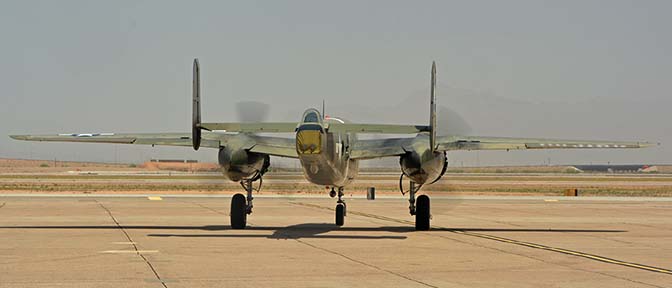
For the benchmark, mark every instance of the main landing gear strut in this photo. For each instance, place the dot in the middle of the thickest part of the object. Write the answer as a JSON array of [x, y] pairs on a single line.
[[420, 206], [340, 206], [241, 206]]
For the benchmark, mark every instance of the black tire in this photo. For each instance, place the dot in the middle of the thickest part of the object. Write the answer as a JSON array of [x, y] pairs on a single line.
[[238, 211], [340, 213], [422, 214]]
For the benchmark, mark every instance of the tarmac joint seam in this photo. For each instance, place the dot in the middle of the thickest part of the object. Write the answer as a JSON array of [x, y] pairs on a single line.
[[364, 263], [135, 247], [512, 241]]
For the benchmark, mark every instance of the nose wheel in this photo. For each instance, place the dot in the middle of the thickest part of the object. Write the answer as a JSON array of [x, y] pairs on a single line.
[[340, 206]]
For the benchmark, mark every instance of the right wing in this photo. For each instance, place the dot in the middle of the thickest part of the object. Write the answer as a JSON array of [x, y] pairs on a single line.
[[166, 139], [276, 146]]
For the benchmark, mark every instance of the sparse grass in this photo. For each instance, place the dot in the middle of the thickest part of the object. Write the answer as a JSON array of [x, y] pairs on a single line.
[[289, 188], [391, 177], [492, 183], [44, 165]]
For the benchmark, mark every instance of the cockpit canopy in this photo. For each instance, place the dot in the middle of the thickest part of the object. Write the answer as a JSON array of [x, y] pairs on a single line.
[[311, 116], [309, 133]]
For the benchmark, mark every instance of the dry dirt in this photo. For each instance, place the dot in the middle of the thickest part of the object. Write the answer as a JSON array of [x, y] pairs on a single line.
[[35, 176]]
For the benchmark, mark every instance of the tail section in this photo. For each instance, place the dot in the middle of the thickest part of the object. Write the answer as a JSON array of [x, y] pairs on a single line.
[[196, 107], [432, 110]]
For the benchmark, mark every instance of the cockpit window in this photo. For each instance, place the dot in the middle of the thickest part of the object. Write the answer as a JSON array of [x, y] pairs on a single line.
[[311, 118]]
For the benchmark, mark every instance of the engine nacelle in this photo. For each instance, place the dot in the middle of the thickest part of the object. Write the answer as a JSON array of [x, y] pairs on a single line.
[[238, 164], [427, 167]]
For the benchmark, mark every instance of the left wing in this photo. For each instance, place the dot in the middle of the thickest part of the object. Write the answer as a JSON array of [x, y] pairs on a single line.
[[378, 148], [447, 143]]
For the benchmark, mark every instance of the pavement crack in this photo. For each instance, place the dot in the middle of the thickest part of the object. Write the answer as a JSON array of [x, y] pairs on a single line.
[[541, 260], [208, 208], [589, 256], [363, 263], [135, 246]]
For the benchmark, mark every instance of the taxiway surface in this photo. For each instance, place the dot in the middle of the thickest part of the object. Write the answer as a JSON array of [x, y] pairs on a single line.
[[92, 241]]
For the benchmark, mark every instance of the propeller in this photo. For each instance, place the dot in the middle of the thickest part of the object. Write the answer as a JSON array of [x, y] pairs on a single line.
[[451, 122], [252, 111]]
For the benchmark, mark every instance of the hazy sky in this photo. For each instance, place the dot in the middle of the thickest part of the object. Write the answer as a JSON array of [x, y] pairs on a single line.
[[565, 69]]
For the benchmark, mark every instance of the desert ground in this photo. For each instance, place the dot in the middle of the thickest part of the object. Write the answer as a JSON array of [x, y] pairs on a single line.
[[34, 176]]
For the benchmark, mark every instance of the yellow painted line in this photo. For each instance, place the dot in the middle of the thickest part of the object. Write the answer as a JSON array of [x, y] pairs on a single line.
[[129, 251], [550, 200], [154, 198], [511, 241]]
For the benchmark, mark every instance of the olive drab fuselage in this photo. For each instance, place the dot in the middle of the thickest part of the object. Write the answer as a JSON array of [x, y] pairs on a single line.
[[323, 154]]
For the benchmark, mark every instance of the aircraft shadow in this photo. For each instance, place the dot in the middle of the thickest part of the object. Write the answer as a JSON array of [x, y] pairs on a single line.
[[307, 230]]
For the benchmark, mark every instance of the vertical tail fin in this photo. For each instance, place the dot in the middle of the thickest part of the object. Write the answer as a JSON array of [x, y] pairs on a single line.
[[196, 107], [432, 110]]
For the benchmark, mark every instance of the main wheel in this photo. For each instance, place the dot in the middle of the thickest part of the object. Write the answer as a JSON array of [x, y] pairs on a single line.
[[340, 213], [422, 213], [238, 211]]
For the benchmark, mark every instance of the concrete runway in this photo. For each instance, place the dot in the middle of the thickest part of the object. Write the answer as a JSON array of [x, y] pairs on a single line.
[[291, 242]]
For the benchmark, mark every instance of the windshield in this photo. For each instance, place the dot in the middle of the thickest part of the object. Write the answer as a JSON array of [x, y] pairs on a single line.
[[311, 118]]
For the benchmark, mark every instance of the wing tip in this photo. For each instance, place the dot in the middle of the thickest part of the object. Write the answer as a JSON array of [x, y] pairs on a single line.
[[19, 137], [648, 144]]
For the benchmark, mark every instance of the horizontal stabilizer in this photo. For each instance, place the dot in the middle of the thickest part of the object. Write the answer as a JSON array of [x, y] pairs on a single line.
[[277, 127], [288, 127], [377, 128]]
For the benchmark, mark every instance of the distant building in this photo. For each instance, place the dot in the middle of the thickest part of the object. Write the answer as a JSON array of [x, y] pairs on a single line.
[[614, 168], [173, 161]]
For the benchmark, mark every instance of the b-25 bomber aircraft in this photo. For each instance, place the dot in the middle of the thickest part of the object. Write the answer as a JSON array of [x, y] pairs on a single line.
[[328, 150]]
